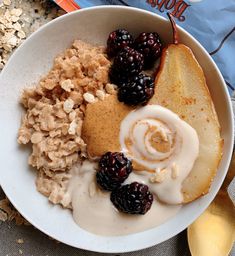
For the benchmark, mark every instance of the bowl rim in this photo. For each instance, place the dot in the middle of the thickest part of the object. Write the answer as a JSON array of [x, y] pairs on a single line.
[[231, 126]]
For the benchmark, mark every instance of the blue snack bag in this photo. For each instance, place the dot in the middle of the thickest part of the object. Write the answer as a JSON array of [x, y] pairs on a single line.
[[211, 23]]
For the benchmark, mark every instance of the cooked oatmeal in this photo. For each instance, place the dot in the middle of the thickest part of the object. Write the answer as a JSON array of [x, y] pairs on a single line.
[[55, 111]]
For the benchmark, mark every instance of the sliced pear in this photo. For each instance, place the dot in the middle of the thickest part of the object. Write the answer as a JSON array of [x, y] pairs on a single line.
[[213, 233], [181, 87]]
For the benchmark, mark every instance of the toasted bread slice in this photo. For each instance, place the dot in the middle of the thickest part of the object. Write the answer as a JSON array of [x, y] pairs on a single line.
[[181, 87]]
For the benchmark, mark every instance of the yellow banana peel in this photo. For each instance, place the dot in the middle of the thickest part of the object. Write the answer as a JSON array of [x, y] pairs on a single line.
[[213, 233]]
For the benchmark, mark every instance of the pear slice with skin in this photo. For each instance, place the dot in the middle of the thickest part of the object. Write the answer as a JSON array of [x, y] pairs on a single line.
[[180, 86]]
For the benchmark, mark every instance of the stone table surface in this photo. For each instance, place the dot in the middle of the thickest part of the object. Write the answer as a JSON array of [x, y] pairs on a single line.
[[18, 19]]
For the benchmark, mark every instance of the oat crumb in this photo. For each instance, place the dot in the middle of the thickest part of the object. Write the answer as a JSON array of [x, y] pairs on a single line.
[[67, 85], [3, 216], [8, 213], [16, 12], [21, 34], [68, 105], [174, 171], [158, 176], [20, 241], [100, 94], [110, 88], [7, 2], [88, 97]]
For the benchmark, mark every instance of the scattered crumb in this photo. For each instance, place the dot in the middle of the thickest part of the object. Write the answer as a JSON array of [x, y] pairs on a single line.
[[18, 19], [20, 241], [7, 2], [3, 215], [20, 251], [159, 176], [8, 213]]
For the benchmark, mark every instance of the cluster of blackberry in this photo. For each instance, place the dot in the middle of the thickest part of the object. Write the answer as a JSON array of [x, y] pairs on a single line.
[[114, 169], [130, 58]]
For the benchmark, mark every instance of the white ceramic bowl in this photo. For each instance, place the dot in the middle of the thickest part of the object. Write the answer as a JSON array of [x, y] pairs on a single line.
[[34, 59]]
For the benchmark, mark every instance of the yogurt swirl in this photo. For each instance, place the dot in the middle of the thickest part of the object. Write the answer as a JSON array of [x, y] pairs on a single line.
[[159, 142]]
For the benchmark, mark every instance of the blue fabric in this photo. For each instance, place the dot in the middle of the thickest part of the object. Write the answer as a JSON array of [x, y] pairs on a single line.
[[208, 21]]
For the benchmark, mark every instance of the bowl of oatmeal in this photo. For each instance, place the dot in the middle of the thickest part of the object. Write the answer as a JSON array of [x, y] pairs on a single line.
[[59, 110]]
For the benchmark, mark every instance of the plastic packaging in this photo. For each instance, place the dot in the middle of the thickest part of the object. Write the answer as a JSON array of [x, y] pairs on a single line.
[[210, 22]]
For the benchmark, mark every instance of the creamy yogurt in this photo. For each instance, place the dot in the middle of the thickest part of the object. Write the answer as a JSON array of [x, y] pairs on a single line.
[[158, 141], [94, 212], [163, 147]]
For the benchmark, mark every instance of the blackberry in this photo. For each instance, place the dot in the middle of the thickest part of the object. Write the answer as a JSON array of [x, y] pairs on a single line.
[[133, 198], [128, 62], [114, 168], [117, 40], [116, 77], [150, 45], [137, 90]]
